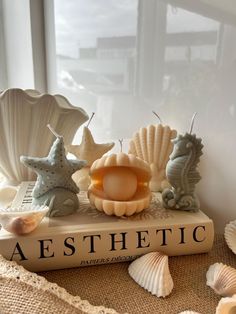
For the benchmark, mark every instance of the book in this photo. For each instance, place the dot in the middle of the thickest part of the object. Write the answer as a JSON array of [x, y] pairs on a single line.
[[90, 237]]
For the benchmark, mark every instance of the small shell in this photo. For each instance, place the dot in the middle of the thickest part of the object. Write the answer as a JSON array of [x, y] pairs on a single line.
[[189, 312], [222, 279], [7, 194], [151, 271], [22, 220], [230, 235], [227, 306]]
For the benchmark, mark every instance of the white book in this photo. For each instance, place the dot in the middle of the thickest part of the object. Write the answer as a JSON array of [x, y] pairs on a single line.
[[90, 237]]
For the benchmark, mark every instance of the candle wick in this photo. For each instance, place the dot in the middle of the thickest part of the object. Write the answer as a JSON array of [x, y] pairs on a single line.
[[160, 121], [53, 131], [192, 122], [121, 145], [93, 113]]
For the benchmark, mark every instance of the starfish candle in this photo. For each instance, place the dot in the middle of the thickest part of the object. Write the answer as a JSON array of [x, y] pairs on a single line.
[[89, 151], [54, 186]]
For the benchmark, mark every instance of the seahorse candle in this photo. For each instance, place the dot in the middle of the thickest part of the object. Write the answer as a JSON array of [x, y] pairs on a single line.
[[182, 174]]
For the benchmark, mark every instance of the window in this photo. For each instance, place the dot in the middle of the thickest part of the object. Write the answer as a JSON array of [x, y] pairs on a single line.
[[123, 59]]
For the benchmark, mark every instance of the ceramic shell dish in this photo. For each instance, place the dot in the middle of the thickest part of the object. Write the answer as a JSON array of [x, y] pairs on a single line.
[[24, 116], [151, 271], [227, 306], [153, 145], [138, 175], [222, 279], [22, 220], [230, 235]]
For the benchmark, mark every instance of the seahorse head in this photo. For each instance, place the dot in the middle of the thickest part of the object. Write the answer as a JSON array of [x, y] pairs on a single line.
[[185, 144]]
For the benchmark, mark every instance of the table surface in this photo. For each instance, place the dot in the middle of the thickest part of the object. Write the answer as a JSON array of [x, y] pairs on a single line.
[[111, 286]]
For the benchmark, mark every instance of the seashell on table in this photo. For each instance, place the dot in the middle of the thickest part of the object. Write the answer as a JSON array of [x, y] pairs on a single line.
[[230, 235], [227, 306], [22, 220], [151, 271], [189, 312], [153, 144], [222, 279]]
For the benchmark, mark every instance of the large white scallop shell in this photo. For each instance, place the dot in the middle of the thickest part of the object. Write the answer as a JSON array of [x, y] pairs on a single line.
[[153, 145], [22, 220], [151, 271], [24, 115], [222, 279], [230, 235], [227, 306]]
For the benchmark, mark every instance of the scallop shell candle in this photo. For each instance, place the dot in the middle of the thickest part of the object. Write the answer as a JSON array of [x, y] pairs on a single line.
[[154, 145], [119, 184]]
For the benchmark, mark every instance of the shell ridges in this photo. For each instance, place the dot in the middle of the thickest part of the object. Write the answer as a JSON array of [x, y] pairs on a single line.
[[222, 279], [154, 145], [151, 271]]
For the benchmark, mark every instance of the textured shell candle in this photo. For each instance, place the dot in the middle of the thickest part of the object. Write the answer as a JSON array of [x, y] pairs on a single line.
[[119, 184], [154, 145]]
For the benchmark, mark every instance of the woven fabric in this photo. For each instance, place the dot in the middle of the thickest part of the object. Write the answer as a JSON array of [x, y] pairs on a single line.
[[112, 287]]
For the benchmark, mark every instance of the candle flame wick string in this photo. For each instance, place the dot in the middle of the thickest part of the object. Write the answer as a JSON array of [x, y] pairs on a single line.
[[160, 121], [192, 122], [93, 113], [121, 145], [53, 131]]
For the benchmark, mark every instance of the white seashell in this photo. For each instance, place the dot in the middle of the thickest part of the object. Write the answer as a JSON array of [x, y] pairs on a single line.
[[7, 195], [24, 116], [227, 306], [230, 235], [222, 279], [153, 144], [151, 271], [22, 220], [189, 312]]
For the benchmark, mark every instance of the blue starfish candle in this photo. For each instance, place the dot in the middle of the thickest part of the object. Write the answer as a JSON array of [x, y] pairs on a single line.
[[54, 186]]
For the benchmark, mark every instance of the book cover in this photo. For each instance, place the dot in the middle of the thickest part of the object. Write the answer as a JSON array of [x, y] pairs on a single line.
[[90, 237]]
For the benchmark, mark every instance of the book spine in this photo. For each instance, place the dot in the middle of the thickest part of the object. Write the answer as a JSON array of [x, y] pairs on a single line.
[[84, 248]]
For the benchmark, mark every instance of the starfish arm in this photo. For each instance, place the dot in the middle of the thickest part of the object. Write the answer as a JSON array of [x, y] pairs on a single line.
[[73, 149], [77, 164], [37, 164]]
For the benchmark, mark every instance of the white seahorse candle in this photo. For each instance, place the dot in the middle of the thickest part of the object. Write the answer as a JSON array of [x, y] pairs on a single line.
[[181, 172]]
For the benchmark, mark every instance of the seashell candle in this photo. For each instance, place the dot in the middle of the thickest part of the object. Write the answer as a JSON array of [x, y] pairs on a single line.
[[151, 271], [222, 279], [153, 144], [119, 184], [22, 220]]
